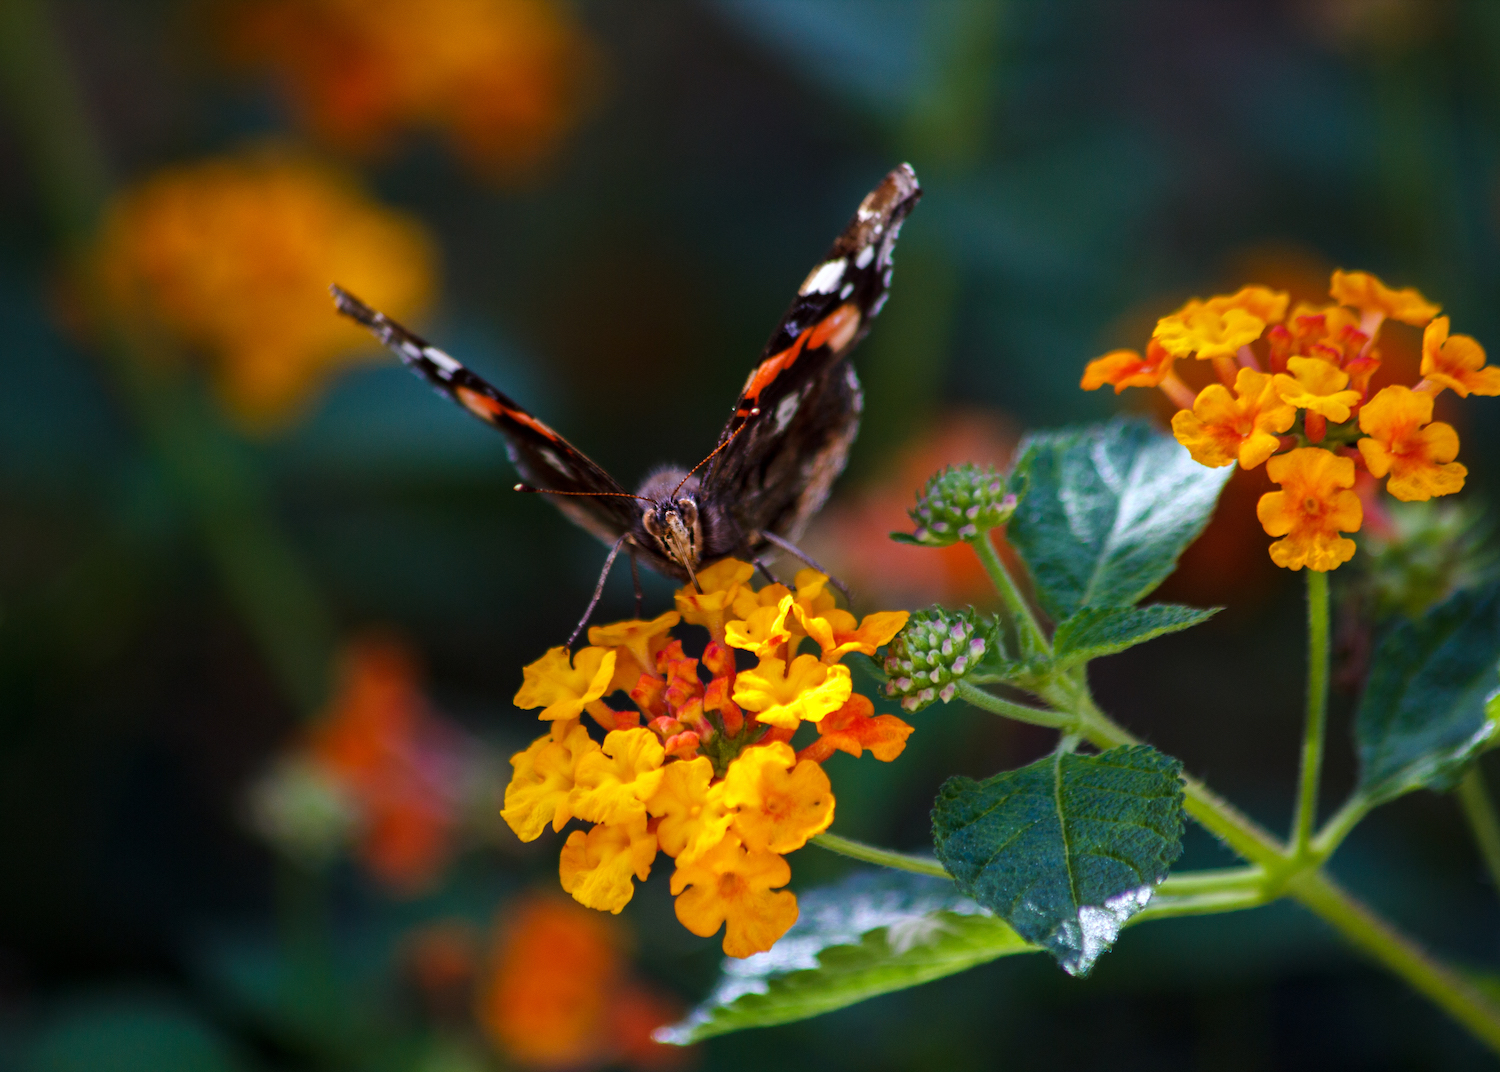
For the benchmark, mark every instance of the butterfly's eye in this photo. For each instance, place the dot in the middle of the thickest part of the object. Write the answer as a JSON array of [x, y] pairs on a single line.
[[688, 508], [651, 521]]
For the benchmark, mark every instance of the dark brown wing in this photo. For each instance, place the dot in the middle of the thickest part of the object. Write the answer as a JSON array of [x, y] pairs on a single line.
[[542, 457], [799, 410]]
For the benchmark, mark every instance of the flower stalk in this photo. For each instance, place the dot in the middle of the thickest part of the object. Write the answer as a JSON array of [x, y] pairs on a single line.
[[1315, 727]]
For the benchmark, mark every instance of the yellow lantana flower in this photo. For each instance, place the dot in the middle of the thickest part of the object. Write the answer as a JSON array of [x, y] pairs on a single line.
[[787, 696], [540, 788], [721, 583], [1263, 303], [563, 687], [1311, 509], [1369, 295], [1457, 362], [779, 803], [764, 631], [636, 645], [1222, 427], [693, 816], [596, 867], [1198, 329], [732, 887], [1318, 386], [1417, 454], [614, 783]]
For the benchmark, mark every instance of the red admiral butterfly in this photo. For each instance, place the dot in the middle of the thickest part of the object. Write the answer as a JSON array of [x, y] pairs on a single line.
[[786, 441]]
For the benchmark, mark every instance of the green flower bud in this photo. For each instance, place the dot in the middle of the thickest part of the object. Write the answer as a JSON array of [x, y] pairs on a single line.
[[927, 659], [958, 504]]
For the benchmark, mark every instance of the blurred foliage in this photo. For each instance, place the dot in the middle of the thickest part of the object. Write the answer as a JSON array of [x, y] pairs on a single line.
[[171, 591]]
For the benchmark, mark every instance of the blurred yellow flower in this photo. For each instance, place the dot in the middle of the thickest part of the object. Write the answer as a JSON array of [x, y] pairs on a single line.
[[234, 257], [503, 79]]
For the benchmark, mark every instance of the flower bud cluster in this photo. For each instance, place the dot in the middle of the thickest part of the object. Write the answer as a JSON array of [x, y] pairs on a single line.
[[959, 503], [931, 655]]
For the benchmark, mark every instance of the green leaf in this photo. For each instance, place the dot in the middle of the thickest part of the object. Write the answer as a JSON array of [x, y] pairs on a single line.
[[1067, 849], [1096, 631], [875, 932], [1108, 510], [1423, 714]]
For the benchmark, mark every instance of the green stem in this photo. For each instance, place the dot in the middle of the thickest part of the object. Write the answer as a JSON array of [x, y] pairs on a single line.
[[1202, 904], [1373, 936], [1479, 809], [1032, 637], [1317, 713], [996, 705], [1337, 828], [1212, 880], [900, 861]]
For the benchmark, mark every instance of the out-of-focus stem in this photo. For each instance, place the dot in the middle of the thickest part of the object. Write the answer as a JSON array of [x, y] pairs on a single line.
[[1479, 809], [1317, 712]]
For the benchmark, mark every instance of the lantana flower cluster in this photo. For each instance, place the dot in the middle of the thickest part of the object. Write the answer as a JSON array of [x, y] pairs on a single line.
[[1293, 393], [701, 766]]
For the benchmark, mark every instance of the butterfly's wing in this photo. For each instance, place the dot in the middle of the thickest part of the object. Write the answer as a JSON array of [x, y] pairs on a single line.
[[543, 458], [799, 410]]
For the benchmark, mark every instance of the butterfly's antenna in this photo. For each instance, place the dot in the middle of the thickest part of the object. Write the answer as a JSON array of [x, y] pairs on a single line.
[[753, 413], [585, 494]]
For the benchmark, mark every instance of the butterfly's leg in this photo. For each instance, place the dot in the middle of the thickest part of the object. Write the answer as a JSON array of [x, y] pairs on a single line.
[[802, 556], [635, 579], [761, 565], [609, 564]]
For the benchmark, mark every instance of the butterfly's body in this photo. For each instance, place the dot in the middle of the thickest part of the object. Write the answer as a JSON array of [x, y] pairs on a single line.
[[787, 439]]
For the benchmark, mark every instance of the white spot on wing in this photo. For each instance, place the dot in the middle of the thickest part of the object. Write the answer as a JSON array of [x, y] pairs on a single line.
[[786, 408], [825, 278], [445, 364], [866, 255], [848, 290]]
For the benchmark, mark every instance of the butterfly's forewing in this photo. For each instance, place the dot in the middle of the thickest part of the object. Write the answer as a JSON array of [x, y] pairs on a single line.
[[542, 457], [797, 414]]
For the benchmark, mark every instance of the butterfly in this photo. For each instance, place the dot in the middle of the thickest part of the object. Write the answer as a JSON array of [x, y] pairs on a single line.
[[785, 443]]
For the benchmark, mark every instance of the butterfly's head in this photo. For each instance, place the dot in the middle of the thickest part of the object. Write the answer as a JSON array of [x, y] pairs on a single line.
[[677, 527]]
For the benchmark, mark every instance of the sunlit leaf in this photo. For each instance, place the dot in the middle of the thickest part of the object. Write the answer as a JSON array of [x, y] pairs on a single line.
[[1096, 631], [871, 934], [1108, 510], [1423, 714], [1066, 849]]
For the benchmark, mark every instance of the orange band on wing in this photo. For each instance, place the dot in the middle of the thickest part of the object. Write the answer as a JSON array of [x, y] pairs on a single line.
[[486, 408], [834, 330]]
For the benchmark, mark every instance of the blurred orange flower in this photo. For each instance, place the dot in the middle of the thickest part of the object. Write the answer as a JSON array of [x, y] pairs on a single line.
[[558, 993], [504, 79], [400, 762], [234, 257]]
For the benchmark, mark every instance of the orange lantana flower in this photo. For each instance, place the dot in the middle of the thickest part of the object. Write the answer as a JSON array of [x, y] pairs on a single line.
[[505, 79], [1369, 295], [1127, 368], [1222, 427], [1417, 454], [233, 257], [733, 886], [1456, 362], [1311, 509], [542, 785], [555, 969], [613, 783], [854, 728]]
